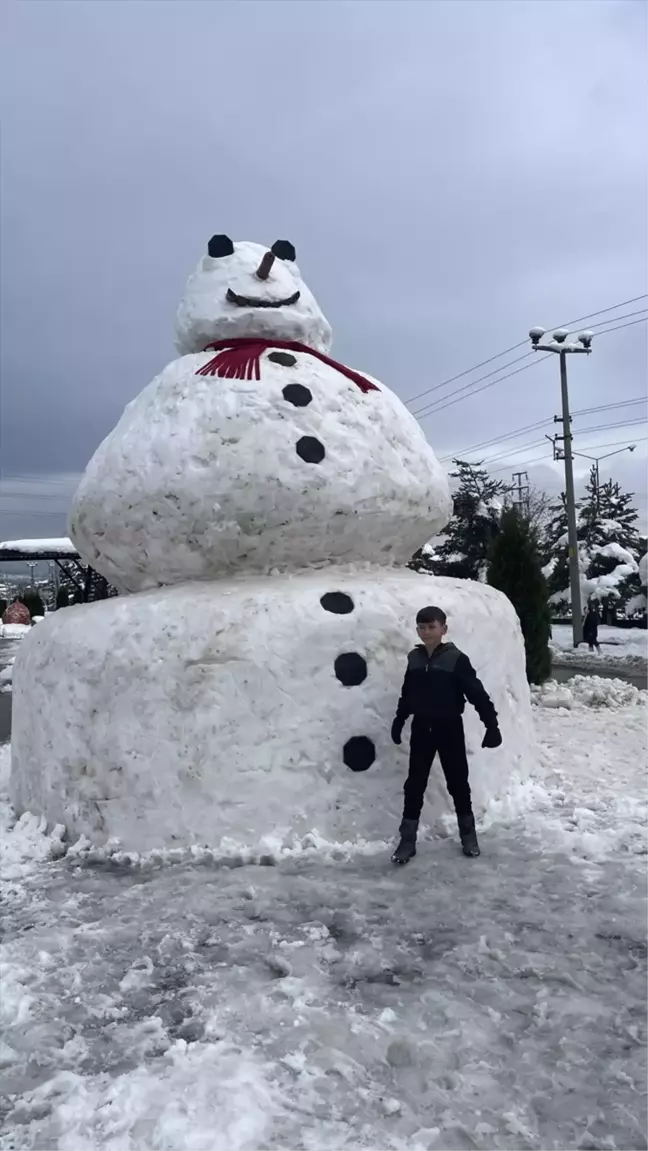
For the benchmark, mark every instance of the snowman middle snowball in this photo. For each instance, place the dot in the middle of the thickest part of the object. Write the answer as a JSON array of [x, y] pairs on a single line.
[[204, 477]]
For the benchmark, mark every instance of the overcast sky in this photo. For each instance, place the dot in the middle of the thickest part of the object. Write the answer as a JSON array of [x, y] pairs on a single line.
[[450, 173]]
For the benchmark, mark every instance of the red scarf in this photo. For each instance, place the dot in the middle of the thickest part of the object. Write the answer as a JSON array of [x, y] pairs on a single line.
[[241, 360]]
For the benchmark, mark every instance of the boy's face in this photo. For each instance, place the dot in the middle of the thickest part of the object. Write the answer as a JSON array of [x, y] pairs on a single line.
[[432, 633]]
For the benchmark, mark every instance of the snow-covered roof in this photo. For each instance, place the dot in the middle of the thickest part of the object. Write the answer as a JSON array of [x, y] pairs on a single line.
[[61, 546]]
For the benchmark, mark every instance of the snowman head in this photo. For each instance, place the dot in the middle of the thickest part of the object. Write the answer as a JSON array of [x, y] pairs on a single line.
[[243, 289]]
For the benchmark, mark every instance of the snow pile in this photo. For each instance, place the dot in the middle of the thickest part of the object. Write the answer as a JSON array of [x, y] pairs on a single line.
[[24, 842], [643, 569], [15, 631], [6, 675], [587, 691]]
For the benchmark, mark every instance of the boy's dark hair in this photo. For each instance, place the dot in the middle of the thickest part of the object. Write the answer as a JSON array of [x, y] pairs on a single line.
[[430, 615]]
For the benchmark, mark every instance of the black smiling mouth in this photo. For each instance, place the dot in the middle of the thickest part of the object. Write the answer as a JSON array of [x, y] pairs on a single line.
[[249, 302]]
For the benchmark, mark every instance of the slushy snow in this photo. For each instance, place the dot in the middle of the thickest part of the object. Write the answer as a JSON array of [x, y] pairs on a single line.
[[176, 1000]]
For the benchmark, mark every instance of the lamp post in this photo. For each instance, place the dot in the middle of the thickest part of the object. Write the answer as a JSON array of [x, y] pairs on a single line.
[[559, 345], [597, 460]]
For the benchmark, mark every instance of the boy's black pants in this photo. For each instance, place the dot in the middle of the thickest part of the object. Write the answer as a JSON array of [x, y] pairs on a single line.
[[446, 738]]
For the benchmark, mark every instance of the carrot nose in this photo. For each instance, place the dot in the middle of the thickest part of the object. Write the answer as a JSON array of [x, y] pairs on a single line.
[[263, 270]]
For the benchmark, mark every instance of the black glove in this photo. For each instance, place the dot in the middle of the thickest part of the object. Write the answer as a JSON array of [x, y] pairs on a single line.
[[397, 730], [492, 737]]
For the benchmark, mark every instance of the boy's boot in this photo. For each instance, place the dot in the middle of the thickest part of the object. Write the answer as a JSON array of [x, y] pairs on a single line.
[[407, 846], [468, 834]]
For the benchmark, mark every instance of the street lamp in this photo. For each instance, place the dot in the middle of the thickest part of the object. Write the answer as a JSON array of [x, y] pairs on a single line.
[[597, 460], [583, 346]]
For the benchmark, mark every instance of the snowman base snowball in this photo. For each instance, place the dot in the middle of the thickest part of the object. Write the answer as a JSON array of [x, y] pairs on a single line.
[[251, 710]]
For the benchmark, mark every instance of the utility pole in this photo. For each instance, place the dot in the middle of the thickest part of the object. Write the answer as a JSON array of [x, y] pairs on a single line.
[[584, 347]]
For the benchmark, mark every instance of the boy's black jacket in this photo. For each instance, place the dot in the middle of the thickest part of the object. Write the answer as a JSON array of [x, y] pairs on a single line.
[[436, 687]]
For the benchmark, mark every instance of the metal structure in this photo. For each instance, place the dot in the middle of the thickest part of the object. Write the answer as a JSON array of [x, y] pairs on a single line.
[[521, 491], [89, 584], [583, 346]]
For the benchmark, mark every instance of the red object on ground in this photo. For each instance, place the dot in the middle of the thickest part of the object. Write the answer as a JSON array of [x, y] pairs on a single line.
[[17, 613]]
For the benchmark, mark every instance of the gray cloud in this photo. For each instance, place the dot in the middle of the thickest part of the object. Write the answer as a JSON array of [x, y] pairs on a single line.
[[450, 172]]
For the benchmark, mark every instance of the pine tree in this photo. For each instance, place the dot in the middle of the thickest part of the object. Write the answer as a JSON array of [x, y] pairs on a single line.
[[477, 507], [515, 568], [555, 554], [611, 546]]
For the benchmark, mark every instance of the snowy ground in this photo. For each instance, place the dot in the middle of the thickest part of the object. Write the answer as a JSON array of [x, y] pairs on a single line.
[[331, 1001], [620, 647]]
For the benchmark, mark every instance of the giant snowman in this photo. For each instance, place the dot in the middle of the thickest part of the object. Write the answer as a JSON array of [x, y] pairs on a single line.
[[256, 504]]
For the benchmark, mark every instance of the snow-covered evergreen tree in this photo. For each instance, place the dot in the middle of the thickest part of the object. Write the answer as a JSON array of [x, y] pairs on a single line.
[[463, 549], [611, 546], [556, 556], [609, 549]]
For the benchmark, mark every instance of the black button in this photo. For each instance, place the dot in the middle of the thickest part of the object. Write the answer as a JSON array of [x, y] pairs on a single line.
[[310, 450], [283, 358], [297, 394], [337, 602], [351, 668], [359, 753]]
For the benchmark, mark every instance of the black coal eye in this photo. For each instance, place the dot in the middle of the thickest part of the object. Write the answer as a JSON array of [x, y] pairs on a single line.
[[220, 246], [284, 250]]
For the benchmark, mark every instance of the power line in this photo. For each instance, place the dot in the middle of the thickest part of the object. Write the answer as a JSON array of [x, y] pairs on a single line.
[[612, 444], [521, 344], [434, 409], [507, 453], [539, 424], [615, 319], [630, 325], [517, 360], [606, 407], [438, 407], [589, 447], [606, 427]]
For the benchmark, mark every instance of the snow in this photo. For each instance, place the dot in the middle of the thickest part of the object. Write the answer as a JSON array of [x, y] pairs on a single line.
[[62, 545], [333, 1002], [211, 713], [201, 478], [643, 570], [14, 631], [205, 314], [604, 586], [615, 551], [619, 642]]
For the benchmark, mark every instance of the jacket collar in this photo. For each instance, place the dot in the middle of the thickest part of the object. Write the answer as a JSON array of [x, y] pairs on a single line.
[[437, 651]]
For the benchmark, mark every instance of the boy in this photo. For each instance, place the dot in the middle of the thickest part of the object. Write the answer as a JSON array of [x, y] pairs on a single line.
[[438, 681]]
